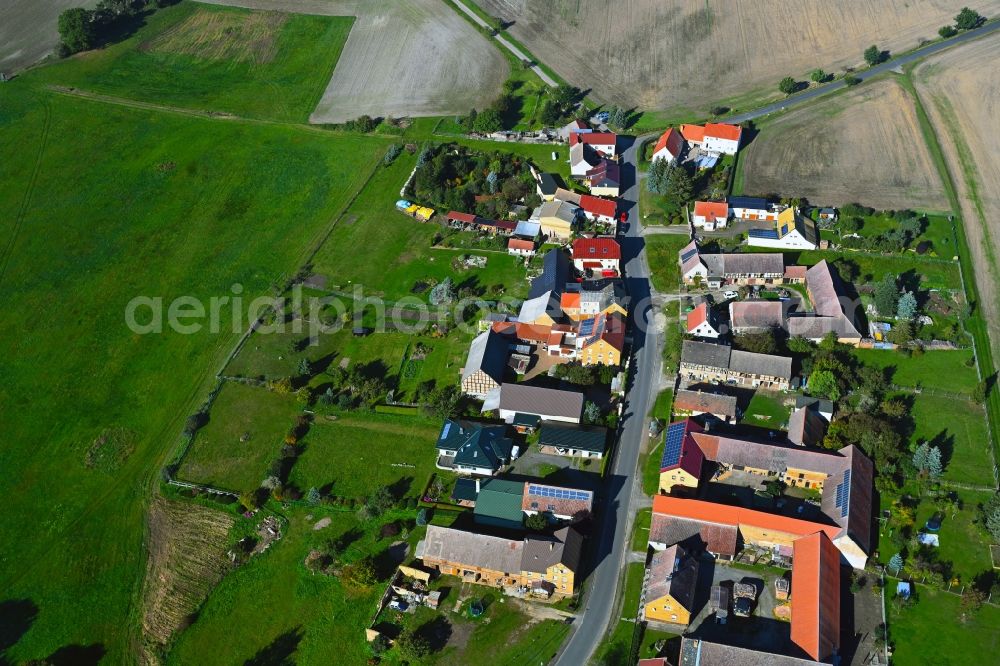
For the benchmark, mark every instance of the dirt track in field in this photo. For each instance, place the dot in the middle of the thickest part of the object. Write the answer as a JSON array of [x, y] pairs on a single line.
[[28, 30], [861, 146], [402, 58], [693, 54], [960, 89]]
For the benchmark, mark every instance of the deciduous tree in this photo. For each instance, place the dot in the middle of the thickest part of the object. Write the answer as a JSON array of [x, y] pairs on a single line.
[[787, 85], [76, 30], [967, 19], [873, 55]]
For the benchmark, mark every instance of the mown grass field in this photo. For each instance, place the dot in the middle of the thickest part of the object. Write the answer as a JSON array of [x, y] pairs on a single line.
[[661, 252], [186, 207], [947, 370], [256, 64], [915, 631], [958, 427]]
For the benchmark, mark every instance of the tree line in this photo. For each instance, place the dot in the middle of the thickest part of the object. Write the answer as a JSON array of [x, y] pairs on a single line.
[[84, 29]]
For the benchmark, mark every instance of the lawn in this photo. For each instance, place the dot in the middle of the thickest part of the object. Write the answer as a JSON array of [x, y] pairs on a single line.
[[952, 371], [931, 627], [397, 252], [938, 232], [663, 406], [958, 427], [640, 530], [929, 273], [766, 411], [188, 206], [661, 252], [256, 64]]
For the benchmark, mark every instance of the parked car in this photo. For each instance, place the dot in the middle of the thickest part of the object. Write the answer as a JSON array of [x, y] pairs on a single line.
[[399, 605], [731, 294]]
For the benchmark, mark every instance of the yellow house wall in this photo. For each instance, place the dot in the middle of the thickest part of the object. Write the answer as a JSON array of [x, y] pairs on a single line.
[[609, 355], [677, 477], [814, 479], [666, 609], [766, 538]]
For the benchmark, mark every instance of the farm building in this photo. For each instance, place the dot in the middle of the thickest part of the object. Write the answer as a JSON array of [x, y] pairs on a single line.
[[697, 403], [806, 427], [680, 463], [835, 310], [755, 316], [669, 586], [556, 503], [720, 138], [816, 600], [557, 219], [708, 362], [498, 504], [485, 364], [548, 404], [715, 270]]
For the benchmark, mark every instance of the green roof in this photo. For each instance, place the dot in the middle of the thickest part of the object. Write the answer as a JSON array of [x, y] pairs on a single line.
[[564, 437], [499, 503]]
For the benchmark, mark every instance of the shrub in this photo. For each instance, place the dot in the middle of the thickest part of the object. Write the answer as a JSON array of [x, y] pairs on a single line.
[[422, 518], [392, 153], [787, 85]]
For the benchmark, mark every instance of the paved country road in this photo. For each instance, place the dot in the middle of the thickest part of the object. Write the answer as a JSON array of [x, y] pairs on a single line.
[[506, 44], [892, 63], [613, 528]]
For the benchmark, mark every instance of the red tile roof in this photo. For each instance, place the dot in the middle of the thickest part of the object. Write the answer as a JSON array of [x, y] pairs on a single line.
[[698, 316], [816, 595], [694, 133], [532, 332], [711, 210], [596, 248], [724, 514], [614, 332], [593, 138], [569, 300], [723, 131], [795, 272], [520, 244], [671, 140], [467, 218], [597, 205], [720, 539]]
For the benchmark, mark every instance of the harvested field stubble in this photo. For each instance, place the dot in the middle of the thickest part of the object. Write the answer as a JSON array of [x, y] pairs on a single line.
[[187, 558], [250, 37], [696, 53], [861, 146], [960, 90]]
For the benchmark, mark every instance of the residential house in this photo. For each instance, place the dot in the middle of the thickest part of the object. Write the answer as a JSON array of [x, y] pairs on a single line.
[[680, 463], [743, 269], [603, 144], [795, 275], [474, 448], [789, 232], [569, 196], [604, 179], [546, 185], [597, 255], [669, 586], [542, 304], [599, 210], [543, 565], [601, 340], [485, 364], [581, 160], [669, 146], [548, 404], [755, 316], [710, 215], [834, 311], [520, 247], [498, 504], [816, 596], [578, 442], [575, 126], [701, 322], [754, 209], [698, 403], [557, 219], [557, 503], [708, 362], [595, 297], [720, 138]]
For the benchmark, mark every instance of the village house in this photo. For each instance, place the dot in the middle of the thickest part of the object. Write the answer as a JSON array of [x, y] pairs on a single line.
[[669, 146], [598, 209], [834, 311], [474, 448], [569, 196], [698, 403], [485, 364], [546, 185], [743, 269], [594, 297], [710, 215], [597, 255], [714, 363], [504, 503], [603, 144], [604, 179], [548, 404], [721, 138], [755, 316], [556, 503], [575, 126], [754, 209], [827, 215], [701, 322], [557, 219], [789, 232], [601, 340], [577, 442], [681, 460], [581, 160], [520, 247], [536, 564], [669, 586], [542, 305], [703, 652]]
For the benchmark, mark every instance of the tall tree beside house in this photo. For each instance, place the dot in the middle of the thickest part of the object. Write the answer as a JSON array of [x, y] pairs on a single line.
[[935, 466], [887, 296], [680, 186], [658, 176]]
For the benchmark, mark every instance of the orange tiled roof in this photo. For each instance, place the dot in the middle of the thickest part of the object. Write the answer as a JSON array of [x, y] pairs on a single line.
[[698, 316], [723, 514], [570, 300], [532, 332], [816, 590], [694, 133], [712, 210], [671, 140], [723, 131]]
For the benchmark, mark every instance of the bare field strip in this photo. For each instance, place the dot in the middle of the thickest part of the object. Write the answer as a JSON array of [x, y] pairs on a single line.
[[691, 54], [960, 90], [214, 35], [402, 58], [28, 30], [861, 146]]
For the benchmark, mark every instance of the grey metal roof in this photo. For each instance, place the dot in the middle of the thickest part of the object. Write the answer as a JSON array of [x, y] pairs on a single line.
[[672, 571], [547, 183], [541, 401], [753, 263], [569, 437]]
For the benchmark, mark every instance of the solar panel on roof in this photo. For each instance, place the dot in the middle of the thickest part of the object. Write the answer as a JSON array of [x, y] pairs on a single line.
[[673, 444], [586, 327], [763, 233]]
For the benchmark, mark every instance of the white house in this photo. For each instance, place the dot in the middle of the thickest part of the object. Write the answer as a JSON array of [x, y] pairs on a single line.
[[710, 215], [722, 138], [790, 232], [603, 143], [753, 209], [669, 147], [596, 254], [598, 209], [701, 322]]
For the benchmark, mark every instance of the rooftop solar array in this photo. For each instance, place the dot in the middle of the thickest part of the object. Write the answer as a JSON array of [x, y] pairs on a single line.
[[586, 327], [844, 494], [559, 493], [445, 430], [673, 444], [763, 233], [690, 253]]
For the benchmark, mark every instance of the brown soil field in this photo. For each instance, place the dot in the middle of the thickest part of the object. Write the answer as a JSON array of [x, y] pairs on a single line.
[[688, 55], [861, 146], [28, 30], [222, 36], [402, 58], [187, 546], [960, 90]]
